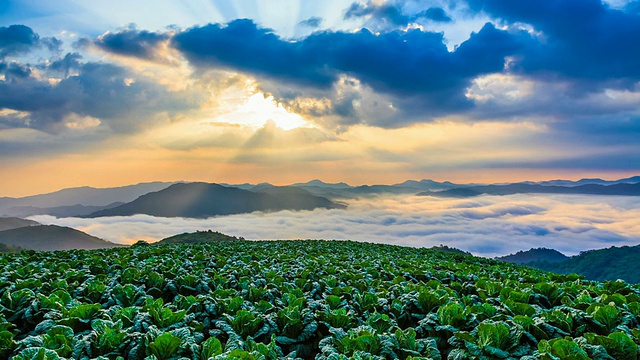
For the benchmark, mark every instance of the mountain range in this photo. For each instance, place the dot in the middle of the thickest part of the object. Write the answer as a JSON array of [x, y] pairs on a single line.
[[88, 201], [202, 200], [629, 180], [75, 201], [625, 189], [344, 191]]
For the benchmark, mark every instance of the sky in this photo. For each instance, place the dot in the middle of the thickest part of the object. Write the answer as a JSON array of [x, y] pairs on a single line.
[[109, 93], [486, 226]]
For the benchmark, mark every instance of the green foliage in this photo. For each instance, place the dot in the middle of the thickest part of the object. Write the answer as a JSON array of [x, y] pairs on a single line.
[[604, 264], [162, 316], [6, 343], [109, 336], [495, 335], [364, 340], [562, 349], [453, 314], [605, 316], [59, 339], [210, 348], [304, 299], [199, 236], [164, 346], [618, 345]]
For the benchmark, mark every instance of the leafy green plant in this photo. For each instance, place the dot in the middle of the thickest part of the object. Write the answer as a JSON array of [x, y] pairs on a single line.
[[37, 353], [245, 323], [606, 317], [59, 339], [363, 340], [495, 338], [210, 348], [339, 318], [164, 346], [162, 316], [6, 343], [562, 349], [618, 344], [453, 314]]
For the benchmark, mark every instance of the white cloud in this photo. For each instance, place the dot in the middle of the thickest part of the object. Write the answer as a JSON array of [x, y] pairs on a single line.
[[486, 226]]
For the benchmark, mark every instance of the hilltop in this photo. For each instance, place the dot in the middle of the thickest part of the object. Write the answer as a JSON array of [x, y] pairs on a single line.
[[537, 255], [8, 223], [603, 264], [51, 237], [197, 237], [4, 248]]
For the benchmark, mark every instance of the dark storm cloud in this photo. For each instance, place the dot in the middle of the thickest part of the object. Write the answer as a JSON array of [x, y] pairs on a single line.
[[585, 41], [415, 65], [20, 39], [312, 22], [131, 42], [392, 14], [14, 71], [386, 12], [71, 61], [436, 14], [16, 39], [241, 45]]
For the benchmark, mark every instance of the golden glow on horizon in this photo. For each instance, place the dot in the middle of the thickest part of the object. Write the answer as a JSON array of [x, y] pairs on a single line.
[[233, 153]]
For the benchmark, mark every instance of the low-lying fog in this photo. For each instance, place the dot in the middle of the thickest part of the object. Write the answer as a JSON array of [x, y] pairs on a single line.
[[486, 226]]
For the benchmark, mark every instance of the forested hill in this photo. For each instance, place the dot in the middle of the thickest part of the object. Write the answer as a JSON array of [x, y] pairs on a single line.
[[534, 255], [51, 237], [197, 237], [605, 264]]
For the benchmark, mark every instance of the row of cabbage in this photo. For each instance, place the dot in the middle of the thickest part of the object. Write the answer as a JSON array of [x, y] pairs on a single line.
[[304, 299]]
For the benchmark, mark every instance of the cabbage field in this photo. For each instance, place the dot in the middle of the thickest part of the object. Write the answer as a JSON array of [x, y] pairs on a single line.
[[304, 299]]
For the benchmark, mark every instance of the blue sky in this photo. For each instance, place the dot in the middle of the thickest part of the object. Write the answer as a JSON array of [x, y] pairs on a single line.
[[111, 93]]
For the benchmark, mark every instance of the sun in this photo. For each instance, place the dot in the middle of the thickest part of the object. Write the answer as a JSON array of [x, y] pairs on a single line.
[[259, 109]]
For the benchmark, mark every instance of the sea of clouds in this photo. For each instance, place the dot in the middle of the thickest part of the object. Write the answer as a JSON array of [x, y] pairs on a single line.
[[486, 225]]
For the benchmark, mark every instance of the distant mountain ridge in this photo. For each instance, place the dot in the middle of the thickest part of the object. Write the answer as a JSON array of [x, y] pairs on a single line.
[[51, 237], [86, 196], [60, 211], [84, 201], [202, 200], [345, 191], [629, 180], [625, 189]]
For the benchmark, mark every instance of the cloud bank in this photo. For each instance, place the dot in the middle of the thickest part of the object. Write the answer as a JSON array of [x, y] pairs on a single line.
[[486, 226]]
